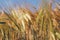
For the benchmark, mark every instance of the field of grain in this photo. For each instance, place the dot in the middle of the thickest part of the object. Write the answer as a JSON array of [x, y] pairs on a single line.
[[22, 24]]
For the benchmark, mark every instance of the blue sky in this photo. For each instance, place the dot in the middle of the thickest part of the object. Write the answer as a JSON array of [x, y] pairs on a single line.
[[11, 3], [23, 3]]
